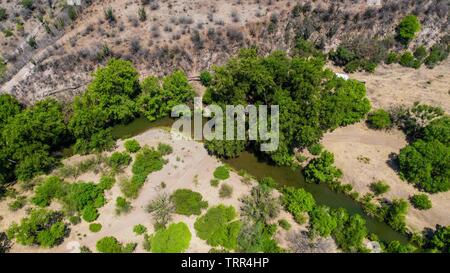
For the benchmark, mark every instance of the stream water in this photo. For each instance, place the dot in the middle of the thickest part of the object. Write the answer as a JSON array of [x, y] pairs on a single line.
[[285, 176]]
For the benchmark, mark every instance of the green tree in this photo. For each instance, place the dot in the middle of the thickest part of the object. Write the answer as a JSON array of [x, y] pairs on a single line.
[[188, 202], [379, 119], [408, 28], [173, 239], [322, 222], [421, 201]]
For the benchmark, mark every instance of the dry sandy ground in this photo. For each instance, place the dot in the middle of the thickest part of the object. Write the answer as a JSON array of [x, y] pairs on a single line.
[[193, 164], [351, 142], [392, 85]]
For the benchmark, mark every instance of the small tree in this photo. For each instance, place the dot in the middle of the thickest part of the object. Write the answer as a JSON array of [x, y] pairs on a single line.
[[421, 201], [408, 28], [379, 119]]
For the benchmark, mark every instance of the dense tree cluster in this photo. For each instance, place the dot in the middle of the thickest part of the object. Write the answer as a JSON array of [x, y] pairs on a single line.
[[188, 202], [311, 99], [173, 239]]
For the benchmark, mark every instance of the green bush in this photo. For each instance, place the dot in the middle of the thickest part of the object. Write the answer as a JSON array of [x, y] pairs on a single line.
[[421, 201], [396, 215], [18, 203], [397, 247], [322, 222], [28, 4], [441, 239], [50, 189], [379, 187], [81, 195], [379, 119], [122, 205], [350, 230], [420, 53], [438, 129], [219, 226], [106, 182], [74, 219], [408, 28], [146, 162], [118, 161], [222, 173], [215, 182], [225, 191], [188, 202], [322, 170], [408, 60], [173, 239], [438, 53], [164, 149], [284, 224], [112, 245], [3, 14], [391, 58], [89, 213], [132, 146], [427, 165], [315, 149], [268, 182], [42, 227], [95, 227], [205, 78], [260, 205], [297, 201], [257, 238], [139, 229]]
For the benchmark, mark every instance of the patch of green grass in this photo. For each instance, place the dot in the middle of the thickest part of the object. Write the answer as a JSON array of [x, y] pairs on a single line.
[[95, 227], [421, 201], [222, 173], [188, 202]]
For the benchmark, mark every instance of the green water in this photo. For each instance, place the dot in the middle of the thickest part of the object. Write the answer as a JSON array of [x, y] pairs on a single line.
[[283, 175]]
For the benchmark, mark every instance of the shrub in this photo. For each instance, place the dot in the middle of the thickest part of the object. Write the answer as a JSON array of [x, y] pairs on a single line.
[[17, 204], [188, 202], [139, 229], [397, 247], [260, 205], [421, 201], [215, 182], [161, 209], [268, 182], [257, 237], [315, 149], [51, 188], [322, 222], [391, 58], [420, 53], [322, 170], [441, 239], [225, 191], [408, 28], [132, 146], [438, 129], [396, 215], [222, 173], [205, 78], [407, 60], [118, 161], [106, 182], [122, 205], [28, 4], [164, 149], [297, 201], [379, 119], [146, 162], [426, 165], [219, 226], [350, 230], [3, 14], [109, 15], [42, 227], [379, 187], [111, 245], [80, 195], [95, 227], [438, 53], [74, 219], [284, 224], [174, 239], [89, 213]]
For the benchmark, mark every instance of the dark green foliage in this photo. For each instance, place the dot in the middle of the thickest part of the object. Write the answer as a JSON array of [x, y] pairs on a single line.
[[225, 191], [427, 165], [28, 138], [311, 99], [215, 182], [420, 53], [173, 239], [139, 229], [257, 238], [408, 60], [112, 245], [147, 161], [421, 201], [89, 213], [43, 228], [80, 195], [395, 215], [3, 14], [18, 203], [109, 99], [74, 219], [260, 205], [106, 182], [156, 100], [219, 227], [132, 146], [350, 231], [379, 119], [188, 202], [122, 205], [379, 187], [315, 149], [205, 78], [109, 15], [397, 247], [284, 224], [438, 53], [438, 129], [297, 201], [164, 149], [95, 227], [408, 28], [306, 48], [322, 222], [28, 4], [441, 239], [5, 243], [50, 189], [391, 58], [268, 182], [322, 169], [72, 13], [118, 161], [161, 209], [221, 173]]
